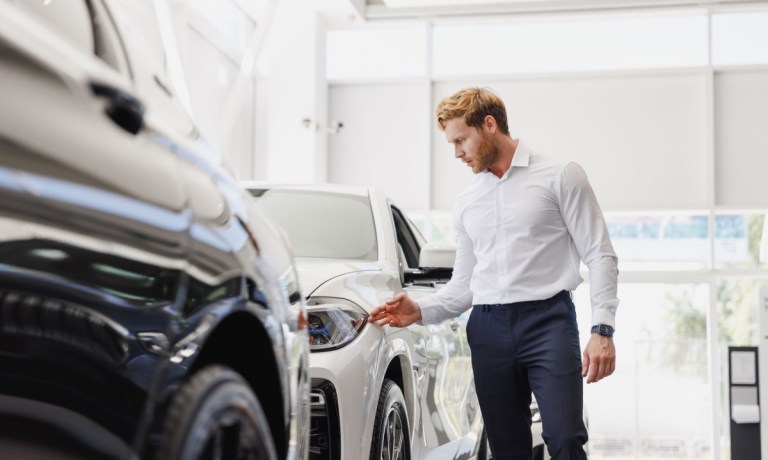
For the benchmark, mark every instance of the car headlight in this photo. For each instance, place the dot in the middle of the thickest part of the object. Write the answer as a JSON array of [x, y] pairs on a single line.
[[333, 323]]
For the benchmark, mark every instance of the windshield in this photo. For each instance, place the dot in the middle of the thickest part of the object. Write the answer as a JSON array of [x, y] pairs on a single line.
[[320, 224]]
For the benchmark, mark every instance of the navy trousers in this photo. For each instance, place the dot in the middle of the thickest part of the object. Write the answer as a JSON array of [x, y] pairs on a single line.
[[527, 347]]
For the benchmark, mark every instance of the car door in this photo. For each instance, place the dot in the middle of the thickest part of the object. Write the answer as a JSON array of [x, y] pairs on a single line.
[[69, 96], [443, 357]]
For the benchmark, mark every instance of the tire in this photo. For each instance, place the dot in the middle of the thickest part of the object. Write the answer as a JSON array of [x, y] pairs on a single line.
[[538, 452], [215, 415], [391, 434]]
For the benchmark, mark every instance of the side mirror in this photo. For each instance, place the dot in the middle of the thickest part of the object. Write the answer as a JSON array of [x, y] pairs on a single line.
[[437, 255], [435, 264]]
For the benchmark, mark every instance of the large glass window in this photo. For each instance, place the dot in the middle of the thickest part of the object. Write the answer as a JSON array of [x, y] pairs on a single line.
[[657, 404], [671, 241], [741, 240]]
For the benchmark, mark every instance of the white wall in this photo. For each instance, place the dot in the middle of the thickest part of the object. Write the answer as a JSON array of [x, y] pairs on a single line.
[[741, 102], [642, 139], [289, 71], [386, 133]]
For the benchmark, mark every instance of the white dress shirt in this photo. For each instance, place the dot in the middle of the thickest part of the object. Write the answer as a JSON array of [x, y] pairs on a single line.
[[521, 237]]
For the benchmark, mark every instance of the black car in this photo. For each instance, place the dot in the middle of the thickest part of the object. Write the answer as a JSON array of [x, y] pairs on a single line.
[[147, 309]]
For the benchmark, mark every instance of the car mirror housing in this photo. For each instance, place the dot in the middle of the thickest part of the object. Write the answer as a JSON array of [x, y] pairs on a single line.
[[437, 255], [435, 264]]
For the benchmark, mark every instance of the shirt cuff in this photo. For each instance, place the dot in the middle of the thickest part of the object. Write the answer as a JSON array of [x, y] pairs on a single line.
[[429, 314], [602, 316]]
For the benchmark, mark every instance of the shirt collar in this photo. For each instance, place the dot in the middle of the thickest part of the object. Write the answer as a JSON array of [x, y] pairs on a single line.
[[522, 156], [521, 159]]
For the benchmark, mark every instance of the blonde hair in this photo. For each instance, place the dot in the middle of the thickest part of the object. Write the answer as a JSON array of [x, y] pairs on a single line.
[[473, 105]]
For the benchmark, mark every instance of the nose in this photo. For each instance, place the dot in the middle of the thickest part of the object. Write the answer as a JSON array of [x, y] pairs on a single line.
[[457, 152]]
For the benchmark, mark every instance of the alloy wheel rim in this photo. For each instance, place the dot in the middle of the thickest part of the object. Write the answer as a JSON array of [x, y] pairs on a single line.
[[233, 436], [392, 445]]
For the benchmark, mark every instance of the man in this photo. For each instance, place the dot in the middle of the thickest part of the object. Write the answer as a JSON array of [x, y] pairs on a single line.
[[522, 228]]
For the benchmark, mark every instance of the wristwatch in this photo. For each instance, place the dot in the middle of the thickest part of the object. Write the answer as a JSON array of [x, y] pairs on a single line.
[[603, 329]]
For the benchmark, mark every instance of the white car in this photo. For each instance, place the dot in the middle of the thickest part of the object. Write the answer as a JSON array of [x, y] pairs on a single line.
[[378, 393]]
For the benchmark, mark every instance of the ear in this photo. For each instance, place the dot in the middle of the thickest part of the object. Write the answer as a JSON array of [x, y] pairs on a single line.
[[489, 124]]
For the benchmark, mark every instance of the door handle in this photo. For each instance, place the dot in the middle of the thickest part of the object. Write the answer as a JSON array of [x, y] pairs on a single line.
[[122, 108]]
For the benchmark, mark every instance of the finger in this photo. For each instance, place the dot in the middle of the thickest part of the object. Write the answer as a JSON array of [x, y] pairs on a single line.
[[390, 308], [376, 314], [378, 310], [585, 364], [383, 321], [601, 370], [396, 299], [593, 370]]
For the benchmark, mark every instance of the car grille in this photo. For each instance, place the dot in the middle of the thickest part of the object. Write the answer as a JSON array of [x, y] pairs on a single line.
[[324, 440], [37, 317]]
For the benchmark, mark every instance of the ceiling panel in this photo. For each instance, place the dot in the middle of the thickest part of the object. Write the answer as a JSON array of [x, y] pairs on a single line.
[[421, 9]]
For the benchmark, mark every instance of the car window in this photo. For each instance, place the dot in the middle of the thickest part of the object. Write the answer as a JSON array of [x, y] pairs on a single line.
[[406, 238], [141, 25], [71, 20], [82, 23], [107, 44], [319, 224]]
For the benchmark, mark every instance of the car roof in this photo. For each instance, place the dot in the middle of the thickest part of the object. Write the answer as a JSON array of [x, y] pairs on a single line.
[[333, 188]]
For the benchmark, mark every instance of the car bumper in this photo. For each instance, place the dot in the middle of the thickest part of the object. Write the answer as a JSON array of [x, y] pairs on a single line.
[[343, 386]]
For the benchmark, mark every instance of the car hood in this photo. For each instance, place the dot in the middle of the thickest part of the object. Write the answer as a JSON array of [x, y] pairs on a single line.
[[314, 272]]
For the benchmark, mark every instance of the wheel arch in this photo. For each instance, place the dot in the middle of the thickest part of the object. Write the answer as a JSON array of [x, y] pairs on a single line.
[[400, 371], [226, 345]]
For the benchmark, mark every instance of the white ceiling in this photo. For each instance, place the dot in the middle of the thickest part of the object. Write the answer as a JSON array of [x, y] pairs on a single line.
[[426, 9]]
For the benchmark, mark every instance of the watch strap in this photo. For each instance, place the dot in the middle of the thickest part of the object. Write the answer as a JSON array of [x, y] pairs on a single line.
[[603, 329]]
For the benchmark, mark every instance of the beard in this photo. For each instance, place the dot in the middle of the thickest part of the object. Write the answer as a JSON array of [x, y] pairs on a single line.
[[487, 154]]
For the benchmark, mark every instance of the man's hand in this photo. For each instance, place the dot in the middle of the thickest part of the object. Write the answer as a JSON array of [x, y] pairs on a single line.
[[599, 358], [399, 311]]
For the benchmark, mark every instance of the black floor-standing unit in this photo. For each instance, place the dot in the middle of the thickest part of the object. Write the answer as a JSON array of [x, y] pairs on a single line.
[[744, 389]]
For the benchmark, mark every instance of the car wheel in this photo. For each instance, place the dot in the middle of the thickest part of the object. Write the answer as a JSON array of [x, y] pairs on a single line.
[[390, 431], [215, 415], [484, 453], [538, 452]]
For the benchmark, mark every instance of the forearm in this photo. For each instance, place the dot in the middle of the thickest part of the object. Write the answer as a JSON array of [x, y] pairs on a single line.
[[449, 302], [603, 281]]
